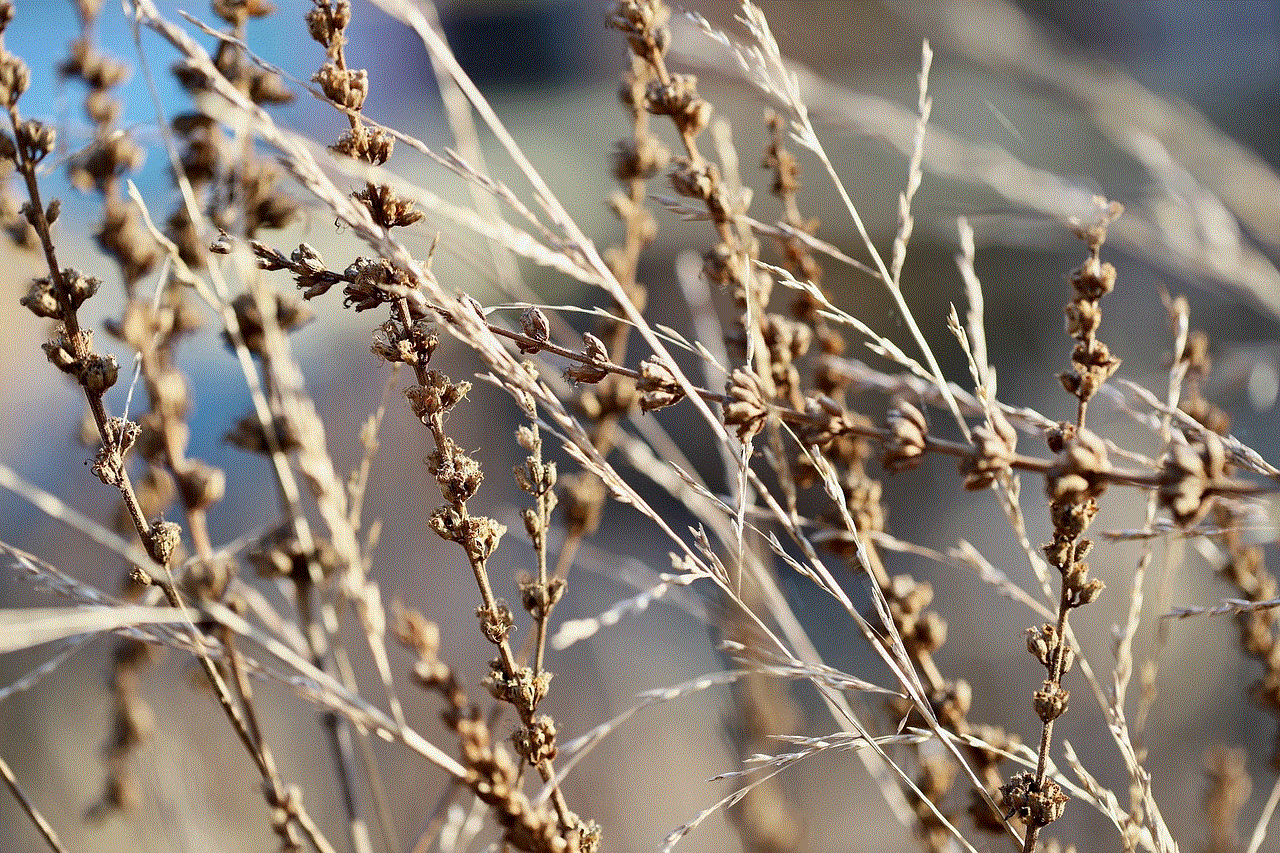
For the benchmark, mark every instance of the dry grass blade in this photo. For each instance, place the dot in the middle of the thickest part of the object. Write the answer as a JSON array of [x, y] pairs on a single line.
[[1259, 834], [34, 626], [1234, 606], [50, 666], [769, 766], [576, 630], [46, 829]]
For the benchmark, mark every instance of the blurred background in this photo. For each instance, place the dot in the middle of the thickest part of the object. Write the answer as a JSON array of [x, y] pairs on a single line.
[[1167, 107]]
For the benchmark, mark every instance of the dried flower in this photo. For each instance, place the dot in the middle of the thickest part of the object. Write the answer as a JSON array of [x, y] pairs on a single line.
[[994, 442], [694, 180], [436, 396], [658, 387], [748, 407], [593, 348], [97, 373], [496, 622], [523, 688], [905, 446], [14, 79], [536, 742], [1188, 475], [370, 144], [35, 139], [163, 541], [1037, 804], [458, 475], [639, 160], [535, 325], [829, 421], [346, 87], [644, 22], [679, 98], [386, 207], [1051, 701], [327, 20], [1081, 470], [538, 598], [1044, 642]]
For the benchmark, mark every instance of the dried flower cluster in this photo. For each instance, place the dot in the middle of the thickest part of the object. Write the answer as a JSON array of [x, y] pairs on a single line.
[[749, 455]]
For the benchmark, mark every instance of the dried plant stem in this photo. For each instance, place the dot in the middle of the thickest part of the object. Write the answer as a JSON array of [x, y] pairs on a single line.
[[159, 540], [1073, 488], [46, 830], [769, 486]]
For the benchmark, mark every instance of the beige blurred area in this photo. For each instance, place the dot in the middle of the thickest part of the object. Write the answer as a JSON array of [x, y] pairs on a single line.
[[1051, 110]]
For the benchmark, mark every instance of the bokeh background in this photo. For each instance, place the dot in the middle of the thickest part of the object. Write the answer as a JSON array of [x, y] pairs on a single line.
[[1006, 78]]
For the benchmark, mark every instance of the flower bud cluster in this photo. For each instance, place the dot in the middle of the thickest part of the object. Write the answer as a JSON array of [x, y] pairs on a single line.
[[1091, 360]]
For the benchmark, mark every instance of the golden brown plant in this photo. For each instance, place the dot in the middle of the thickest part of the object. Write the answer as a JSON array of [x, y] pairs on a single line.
[[706, 429]]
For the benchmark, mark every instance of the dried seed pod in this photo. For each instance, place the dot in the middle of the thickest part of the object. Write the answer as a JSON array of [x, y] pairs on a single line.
[[97, 373], [535, 325], [200, 484], [523, 688], [679, 98], [658, 385], [538, 598], [1187, 477], [905, 446], [537, 742], [639, 160], [163, 542], [1043, 640], [694, 180], [720, 264], [436, 396], [496, 622], [370, 144], [1051, 701], [590, 373], [1093, 280], [584, 496], [41, 301], [748, 408], [35, 139], [1037, 804], [346, 87], [994, 445], [829, 421], [14, 79], [1081, 470], [458, 475], [645, 24]]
